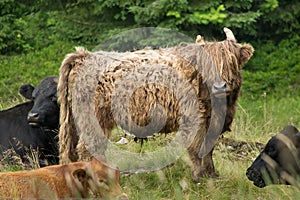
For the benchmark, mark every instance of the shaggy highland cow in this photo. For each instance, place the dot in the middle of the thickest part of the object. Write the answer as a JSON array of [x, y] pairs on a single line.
[[210, 75]]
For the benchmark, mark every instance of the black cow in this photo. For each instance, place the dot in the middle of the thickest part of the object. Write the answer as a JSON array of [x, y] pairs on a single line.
[[45, 111], [279, 161], [23, 128]]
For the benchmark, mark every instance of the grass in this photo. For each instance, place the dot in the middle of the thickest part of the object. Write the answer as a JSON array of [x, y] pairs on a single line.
[[29, 68], [174, 183], [256, 120], [260, 119]]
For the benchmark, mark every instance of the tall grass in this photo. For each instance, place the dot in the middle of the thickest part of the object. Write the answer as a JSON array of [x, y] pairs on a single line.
[[260, 119], [255, 121], [174, 183]]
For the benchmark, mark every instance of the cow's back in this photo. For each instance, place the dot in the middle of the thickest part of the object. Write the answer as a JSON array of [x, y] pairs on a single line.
[[13, 124]]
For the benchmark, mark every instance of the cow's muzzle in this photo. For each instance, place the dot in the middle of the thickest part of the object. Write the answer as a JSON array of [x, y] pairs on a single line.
[[256, 177], [220, 89], [34, 119]]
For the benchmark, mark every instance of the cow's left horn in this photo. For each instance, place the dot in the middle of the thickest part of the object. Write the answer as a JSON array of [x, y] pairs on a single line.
[[199, 40], [229, 34]]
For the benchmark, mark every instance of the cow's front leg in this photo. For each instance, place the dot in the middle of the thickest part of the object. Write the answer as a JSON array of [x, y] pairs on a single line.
[[202, 167]]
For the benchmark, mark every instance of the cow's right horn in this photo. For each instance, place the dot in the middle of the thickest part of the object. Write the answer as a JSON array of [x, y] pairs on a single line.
[[229, 34]]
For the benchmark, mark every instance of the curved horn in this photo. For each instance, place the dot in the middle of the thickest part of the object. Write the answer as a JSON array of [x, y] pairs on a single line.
[[199, 40], [229, 34]]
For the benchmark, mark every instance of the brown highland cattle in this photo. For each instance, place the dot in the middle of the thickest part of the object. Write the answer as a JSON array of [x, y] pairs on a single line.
[[211, 71], [78, 180]]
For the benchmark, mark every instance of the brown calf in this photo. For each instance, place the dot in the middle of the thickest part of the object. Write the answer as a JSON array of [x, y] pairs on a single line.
[[78, 179]]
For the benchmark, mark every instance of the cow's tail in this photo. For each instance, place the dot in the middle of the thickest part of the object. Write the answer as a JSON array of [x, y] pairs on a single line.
[[68, 137]]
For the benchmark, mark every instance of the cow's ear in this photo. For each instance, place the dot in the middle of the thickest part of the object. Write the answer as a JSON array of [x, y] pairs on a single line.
[[81, 176], [289, 130], [246, 53], [26, 91]]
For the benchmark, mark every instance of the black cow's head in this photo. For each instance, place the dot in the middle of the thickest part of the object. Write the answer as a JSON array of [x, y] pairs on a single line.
[[45, 111], [279, 161]]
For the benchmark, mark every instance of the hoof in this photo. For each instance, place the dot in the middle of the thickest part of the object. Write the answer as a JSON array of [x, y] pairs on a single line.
[[196, 177]]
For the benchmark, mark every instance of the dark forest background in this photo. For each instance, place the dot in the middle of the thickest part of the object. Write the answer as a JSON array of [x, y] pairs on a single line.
[[35, 35]]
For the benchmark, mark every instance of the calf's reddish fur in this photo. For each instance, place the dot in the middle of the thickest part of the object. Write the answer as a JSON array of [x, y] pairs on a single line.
[[78, 179]]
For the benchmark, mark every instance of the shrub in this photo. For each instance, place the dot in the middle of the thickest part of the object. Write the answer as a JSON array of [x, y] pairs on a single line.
[[274, 69]]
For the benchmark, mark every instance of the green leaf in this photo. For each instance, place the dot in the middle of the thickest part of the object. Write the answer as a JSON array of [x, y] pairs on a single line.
[[173, 13]]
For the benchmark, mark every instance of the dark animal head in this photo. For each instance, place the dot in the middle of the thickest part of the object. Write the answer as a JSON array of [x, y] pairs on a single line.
[[45, 111], [278, 163]]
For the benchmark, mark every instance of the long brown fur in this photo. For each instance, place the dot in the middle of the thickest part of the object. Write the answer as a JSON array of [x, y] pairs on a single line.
[[200, 64], [66, 121]]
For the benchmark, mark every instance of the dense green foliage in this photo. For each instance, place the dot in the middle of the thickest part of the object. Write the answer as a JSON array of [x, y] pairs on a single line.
[[27, 25], [35, 35], [274, 69]]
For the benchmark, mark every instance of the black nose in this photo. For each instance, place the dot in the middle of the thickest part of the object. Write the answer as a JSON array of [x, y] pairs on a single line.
[[220, 85], [256, 177], [34, 119], [251, 174], [33, 116]]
